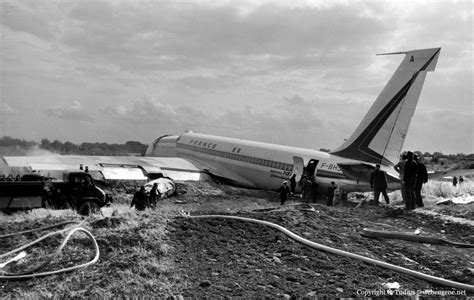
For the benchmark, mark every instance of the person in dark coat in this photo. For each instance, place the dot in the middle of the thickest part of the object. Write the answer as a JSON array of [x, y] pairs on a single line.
[[154, 195], [140, 199], [409, 178], [400, 168], [421, 178], [293, 184], [314, 189], [455, 181], [284, 191], [330, 193], [378, 181], [306, 188], [461, 180]]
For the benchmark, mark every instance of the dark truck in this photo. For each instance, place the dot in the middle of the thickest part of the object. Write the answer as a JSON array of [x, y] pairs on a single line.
[[77, 192]]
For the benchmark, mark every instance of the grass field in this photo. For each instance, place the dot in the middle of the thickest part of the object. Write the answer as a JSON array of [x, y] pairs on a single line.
[[445, 189], [135, 257]]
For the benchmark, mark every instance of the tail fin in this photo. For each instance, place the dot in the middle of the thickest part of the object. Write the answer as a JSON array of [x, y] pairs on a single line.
[[380, 136]]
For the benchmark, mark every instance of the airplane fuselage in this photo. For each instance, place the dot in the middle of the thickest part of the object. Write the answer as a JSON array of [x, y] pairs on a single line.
[[259, 165]]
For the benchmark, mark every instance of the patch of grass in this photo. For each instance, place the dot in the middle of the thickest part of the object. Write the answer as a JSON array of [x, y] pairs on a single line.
[[135, 260], [443, 189]]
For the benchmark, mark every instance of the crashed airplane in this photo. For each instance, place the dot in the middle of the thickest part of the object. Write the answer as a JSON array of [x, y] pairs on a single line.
[[378, 139]]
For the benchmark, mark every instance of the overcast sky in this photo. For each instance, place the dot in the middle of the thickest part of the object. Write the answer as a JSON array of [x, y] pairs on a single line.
[[299, 73]]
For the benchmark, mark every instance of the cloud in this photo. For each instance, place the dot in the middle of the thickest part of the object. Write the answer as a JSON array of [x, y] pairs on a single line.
[[74, 112], [300, 73], [143, 111], [155, 35], [282, 121], [27, 18]]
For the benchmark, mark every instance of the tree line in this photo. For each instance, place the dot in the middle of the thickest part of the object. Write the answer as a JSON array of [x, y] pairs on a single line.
[[20, 146]]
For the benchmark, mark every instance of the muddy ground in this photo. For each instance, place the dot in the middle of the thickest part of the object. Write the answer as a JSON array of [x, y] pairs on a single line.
[[220, 258]]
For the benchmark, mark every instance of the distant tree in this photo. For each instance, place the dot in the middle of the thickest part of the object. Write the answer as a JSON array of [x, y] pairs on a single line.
[[7, 141], [71, 148], [45, 144], [135, 147], [57, 146]]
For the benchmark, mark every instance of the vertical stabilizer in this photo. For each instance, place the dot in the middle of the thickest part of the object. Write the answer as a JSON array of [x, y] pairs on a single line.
[[380, 136]]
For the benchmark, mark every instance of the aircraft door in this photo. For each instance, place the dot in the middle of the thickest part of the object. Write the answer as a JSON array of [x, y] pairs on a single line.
[[298, 167], [311, 167]]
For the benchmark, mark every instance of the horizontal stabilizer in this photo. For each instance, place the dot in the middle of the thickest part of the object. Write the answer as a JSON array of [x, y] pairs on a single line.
[[418, 60]]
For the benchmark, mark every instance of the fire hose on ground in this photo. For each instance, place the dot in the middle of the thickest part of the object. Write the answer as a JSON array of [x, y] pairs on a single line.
[[426, 277], [30, 274]]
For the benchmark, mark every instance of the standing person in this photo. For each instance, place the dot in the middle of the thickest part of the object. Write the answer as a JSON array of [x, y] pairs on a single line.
[[293, 184], [400, 168], [455, 181], [336, 199], [330, 193], [306, 186], [421, 178], [284, 190], [140, 199], [378, 181], [461, 180], [409, 177], [314, 189], [154, 195]]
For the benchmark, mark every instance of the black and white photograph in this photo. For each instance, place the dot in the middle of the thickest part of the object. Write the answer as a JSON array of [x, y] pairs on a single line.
[[236, 149]]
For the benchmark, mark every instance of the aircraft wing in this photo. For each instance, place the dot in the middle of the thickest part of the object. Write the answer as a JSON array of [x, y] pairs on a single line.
[[105, 167]]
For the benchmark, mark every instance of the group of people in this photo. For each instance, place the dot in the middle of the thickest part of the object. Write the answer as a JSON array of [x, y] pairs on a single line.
[[143, 200], [413, 175], [309, 188], [308, 185], [335, 194]]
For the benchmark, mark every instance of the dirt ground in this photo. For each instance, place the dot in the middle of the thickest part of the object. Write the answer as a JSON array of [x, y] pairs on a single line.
[[221, 258]]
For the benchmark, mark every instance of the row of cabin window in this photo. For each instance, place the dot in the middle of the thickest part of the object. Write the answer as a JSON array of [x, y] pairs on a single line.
[[239, 157]]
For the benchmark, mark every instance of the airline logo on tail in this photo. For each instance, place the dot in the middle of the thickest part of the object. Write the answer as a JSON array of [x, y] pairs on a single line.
[[380, 136]]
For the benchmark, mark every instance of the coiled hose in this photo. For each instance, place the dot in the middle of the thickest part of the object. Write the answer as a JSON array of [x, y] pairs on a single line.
[[426, 277], [70, 231]]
